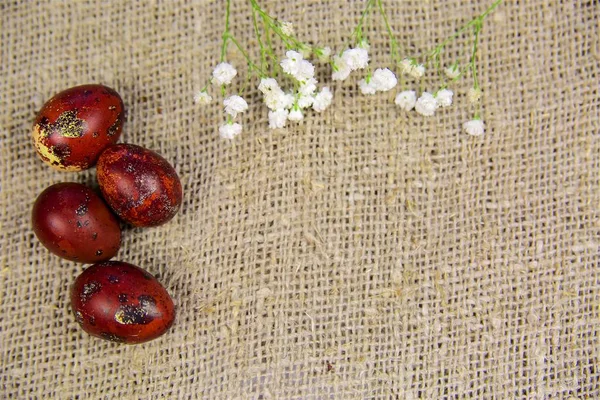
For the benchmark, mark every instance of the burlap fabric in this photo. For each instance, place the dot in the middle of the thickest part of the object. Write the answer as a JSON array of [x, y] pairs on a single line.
[[365, 254]]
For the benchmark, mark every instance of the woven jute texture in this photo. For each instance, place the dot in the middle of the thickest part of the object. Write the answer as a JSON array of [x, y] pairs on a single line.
[[366, 253]]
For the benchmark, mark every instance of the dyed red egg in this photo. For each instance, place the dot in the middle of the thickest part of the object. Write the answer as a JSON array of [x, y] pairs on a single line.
[[73, 222], [76, 125], [120, 302], [139, 185]]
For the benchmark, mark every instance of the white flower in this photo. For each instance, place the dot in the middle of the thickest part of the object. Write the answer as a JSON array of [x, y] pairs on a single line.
[[295, 115], [296, 66], [290, 63], [367, 87], [452, 71], [384, 79], [234, 105], [322, 99], [341, 70], [278, 118], [277, 99], [202, 97], [230, 130], [305, 71], [305, 101], [287, 28], [426, 105], [418, 71], [356, 58], [406, 100], [274, 97], [474, 95], [223, 74], [406, 66], [308, 87], [444, 97], [409, 66], [267, 85], [474, 127], [323, 53]]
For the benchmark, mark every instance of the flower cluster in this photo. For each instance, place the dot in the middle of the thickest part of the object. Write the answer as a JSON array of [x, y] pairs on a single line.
[[289, 87], [290, 105]]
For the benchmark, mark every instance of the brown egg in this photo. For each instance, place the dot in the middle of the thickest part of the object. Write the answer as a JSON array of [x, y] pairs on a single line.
[[120, 302], [139, 185], [73, 222], [76, 125]]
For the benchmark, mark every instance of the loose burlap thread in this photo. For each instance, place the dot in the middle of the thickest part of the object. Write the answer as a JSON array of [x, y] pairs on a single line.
[[366, 253]]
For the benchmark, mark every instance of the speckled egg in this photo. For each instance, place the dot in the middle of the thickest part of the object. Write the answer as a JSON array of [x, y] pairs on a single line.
[[76, 125], [73, 222], [140, 186], [122, 303]]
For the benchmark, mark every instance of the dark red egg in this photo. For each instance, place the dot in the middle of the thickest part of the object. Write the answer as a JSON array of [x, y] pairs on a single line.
[[73, 222], [139, 185], [120, 302], [76, 125]]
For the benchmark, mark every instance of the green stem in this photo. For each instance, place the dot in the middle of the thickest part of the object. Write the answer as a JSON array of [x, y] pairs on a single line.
[[226, 34], [289, 41], [270, 49], [251, 64], [477, 20], [393, 41], [478, 27], [357, 32], [263, 53]]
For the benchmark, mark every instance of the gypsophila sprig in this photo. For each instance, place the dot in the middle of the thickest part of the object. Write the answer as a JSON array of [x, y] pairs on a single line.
[[288, 80]]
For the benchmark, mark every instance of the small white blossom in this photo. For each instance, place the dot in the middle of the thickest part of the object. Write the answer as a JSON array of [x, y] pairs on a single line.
[[290, 63], [267, 85], [409, 66], [278, 99], [474, 95], [406, 66], [305, 101], [367, 87], [308, 87], [341, 70], [230, 130], [322, 99], [202, 97], [305, 71], [426, 104], [296, 66], [223, 74], [234, 105], [474, 127], [357, 58], [406, 100], [295, 115], [452, 72], [287, 100], [323, 53], [384, 79], [418, 71], [287, 28], [278, 118], [444, 97], [274, 97]]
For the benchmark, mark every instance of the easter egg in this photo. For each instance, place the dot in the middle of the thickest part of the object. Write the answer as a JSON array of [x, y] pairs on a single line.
[[121, 302], [139, 185], [76, 125], [73, 222]]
